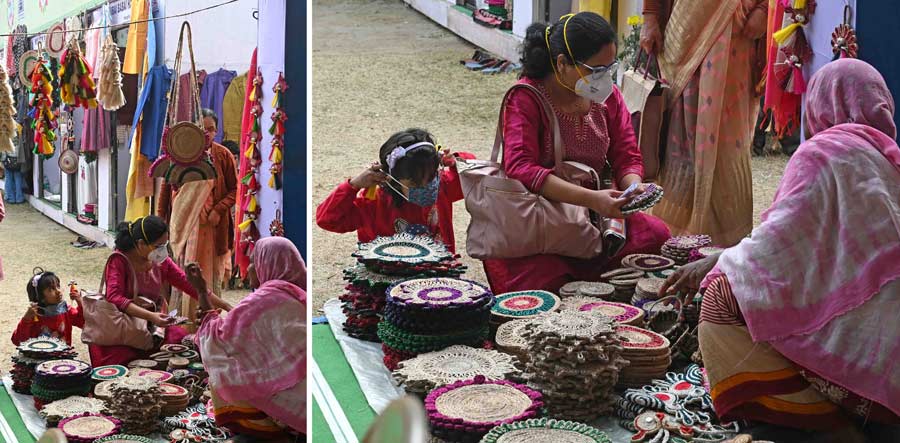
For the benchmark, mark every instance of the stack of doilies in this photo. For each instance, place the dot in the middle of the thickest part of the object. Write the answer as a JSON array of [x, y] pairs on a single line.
[[430, 314], [679, 248], [647, 353], [423, 373], [33, 352], [623, 281], [58, 379], [167, 353], [385, 262], [467, 410], [60, 410], [137, 402], [175, 398], [646, 290], [522, 305], [574, 362], [88, 428], [110, 372], [620, 312], [544, 430], [510, 339]]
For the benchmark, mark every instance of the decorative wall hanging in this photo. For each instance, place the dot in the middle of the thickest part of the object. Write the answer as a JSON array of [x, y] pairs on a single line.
[[789, 52], [43, 121], [843, 39], [7, 111], [250, 208], [276, 228], [110, 92], [184, 143], [76, 82], [68, 158], [277, 132], [56, 40]]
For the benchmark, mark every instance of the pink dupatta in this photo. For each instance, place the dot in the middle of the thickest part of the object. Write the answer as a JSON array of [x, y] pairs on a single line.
[[257, 353], [820, 276]]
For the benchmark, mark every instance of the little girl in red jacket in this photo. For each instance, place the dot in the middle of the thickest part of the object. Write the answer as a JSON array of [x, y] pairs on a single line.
[[411, 189], [48, 315]]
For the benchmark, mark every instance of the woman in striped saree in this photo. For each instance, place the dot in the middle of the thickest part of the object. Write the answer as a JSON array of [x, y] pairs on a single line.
[[798, 325], [707, 52]]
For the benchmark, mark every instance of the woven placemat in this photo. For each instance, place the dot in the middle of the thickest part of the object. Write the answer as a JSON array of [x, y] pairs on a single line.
[[524, 304], [159, 376], [439, 293], [124, 438], [621, 313], [453, 364], [109, 372], [403, 248], [545, 430], [639, 339], [595, 289], [688, 242], [43, 348], [89, 427], [476, 406], [571, 324], [511, 336], [403, 340]]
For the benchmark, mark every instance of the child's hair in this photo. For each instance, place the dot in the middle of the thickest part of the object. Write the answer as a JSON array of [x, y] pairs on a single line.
[[38, 283], [149, 229], [586, 33], [418, 166]]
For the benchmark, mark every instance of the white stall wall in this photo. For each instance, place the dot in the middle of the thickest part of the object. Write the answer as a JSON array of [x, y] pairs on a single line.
[[223, 37]]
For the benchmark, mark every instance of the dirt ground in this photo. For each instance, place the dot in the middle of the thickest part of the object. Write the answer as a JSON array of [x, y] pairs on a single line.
[[379, 67], [29, 239]]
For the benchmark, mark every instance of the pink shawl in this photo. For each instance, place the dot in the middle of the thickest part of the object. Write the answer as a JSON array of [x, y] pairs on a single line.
[[817, 278], [256, 354]]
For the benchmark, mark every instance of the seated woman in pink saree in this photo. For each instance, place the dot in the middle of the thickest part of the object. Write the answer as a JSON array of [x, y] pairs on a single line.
[[798, 325], [256, 354], [578, 53]]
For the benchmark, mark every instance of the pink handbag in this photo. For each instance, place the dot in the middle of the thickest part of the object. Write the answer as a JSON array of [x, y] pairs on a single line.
[[509, 221], [105, 325]]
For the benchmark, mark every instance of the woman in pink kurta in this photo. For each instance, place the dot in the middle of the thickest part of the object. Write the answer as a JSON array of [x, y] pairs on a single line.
[[142, 245], [575, 54]]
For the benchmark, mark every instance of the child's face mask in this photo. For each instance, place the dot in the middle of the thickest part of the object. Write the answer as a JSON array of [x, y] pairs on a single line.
[[423, 196]]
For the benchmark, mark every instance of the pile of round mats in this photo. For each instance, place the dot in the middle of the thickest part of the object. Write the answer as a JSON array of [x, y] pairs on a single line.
[[679, 248], [33, 352], [137, 402], [430, 314], [647, 353], [522, 304], [382, 263], [58, 379], [60, 410], [88, 428], [421, 374]]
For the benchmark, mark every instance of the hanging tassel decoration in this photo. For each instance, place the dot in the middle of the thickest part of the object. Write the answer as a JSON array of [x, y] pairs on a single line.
[[275, 177], [278, 119], [7, 112], [44, 122], [76, 83], [278, 88], [843, 39], [110, 93], [277, 131], [250, 206]]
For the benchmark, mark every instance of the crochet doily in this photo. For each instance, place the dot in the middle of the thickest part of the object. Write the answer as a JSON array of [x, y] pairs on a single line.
[[454, 364]]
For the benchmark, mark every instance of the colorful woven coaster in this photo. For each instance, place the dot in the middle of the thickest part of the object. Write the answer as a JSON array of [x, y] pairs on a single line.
[[44, 348], [110, 372], [469, 409], [544, 430], [652, 195], [639, 339], [647, 262], [622, 314], [524, 304], [123, 438], [174, 348]]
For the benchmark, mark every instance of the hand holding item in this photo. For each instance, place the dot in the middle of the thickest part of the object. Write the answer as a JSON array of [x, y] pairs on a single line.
[[32, 313], [689, 276], [213, 218], [371, 176], [608, 203], [651, 35], [160, 319], [195, 278]]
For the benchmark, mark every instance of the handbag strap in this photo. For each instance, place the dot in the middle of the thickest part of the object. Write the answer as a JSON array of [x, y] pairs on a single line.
[[175, 89], [134, 285], [558, 147], [650, 59]]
